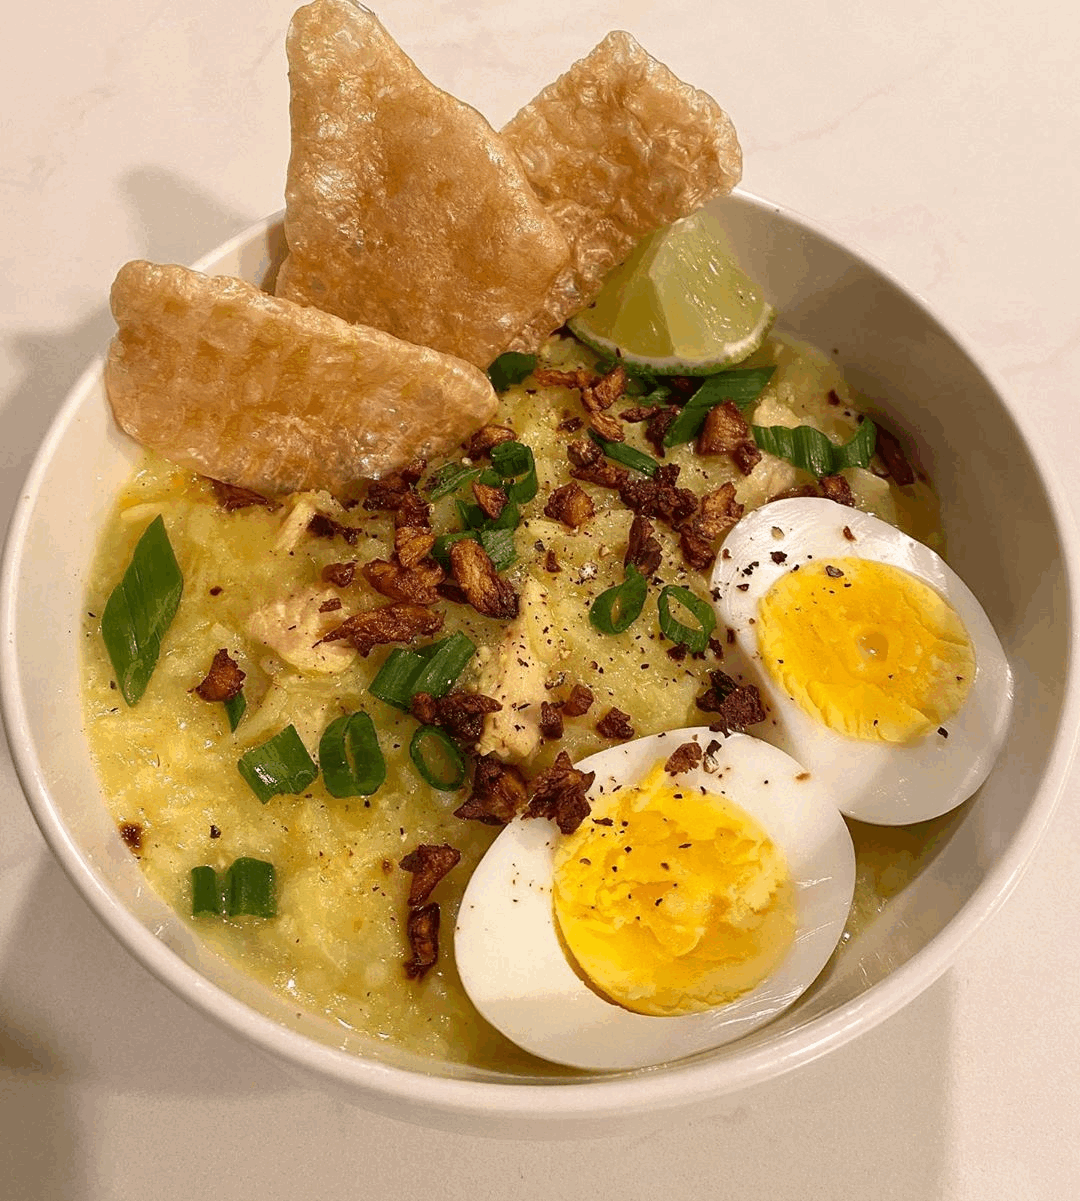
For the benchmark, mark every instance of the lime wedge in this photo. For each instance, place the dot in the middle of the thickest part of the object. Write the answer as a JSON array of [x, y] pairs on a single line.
[[679, 305]]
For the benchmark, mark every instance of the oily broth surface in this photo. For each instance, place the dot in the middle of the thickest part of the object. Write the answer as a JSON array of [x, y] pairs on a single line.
[[338, 943]]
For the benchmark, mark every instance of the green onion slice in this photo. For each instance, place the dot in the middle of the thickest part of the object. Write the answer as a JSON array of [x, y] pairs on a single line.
[[499, 544], [618, 608], [279, 766], [235, 709], [205, 891], [432, 669], [249, 888], [693, 638], [510, 368], [810, 450], [659, 394], [743, 385], [514, 470], [140, 610], [513, 461], [646, 388], [627, 455], [437, 758], [350, 758], [474, 518], [443, 662], [449, 478]]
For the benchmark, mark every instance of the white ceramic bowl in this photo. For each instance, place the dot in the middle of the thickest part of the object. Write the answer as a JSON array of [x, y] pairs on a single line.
[[1008, 536]]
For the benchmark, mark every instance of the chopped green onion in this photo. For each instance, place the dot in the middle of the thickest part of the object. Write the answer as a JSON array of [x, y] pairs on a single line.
[[350, 758], [742, 385], [510, 460], [657, 395], [474, 518], [693, 639], [205, 891], [627, 455], [393, 681], [249, 888], [443, 662], [642, 383], [449, 478], [510, 368], [235, 709], [618, 608], [495, 534], [499, 545], [278, 766], [446, 776], [810, 450], [140, 610], [432, 669]]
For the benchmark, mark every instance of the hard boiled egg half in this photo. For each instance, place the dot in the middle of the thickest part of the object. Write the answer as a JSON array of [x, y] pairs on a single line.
[[687, 909], [879, 670]]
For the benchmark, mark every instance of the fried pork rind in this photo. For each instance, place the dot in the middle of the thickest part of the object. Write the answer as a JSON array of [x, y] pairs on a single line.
[[617, 147], [266, 394], [405, 210]]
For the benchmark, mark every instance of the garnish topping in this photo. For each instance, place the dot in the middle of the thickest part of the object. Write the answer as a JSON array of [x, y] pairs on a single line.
[[696, 639], [436, 757], [742, 386], [350, 757], [428, 864], [617, 608], [810, 450], [279, 766], [509, 369], [430, 669], [140, 610]]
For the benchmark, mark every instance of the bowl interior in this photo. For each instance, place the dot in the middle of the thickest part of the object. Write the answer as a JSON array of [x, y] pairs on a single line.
[[1003, 539]]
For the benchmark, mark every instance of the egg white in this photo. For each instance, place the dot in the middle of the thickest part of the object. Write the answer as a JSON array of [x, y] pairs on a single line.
[[517, 975], [879, 782]]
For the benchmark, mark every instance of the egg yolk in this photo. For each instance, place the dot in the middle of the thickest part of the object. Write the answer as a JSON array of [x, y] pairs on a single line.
[[865, 648], [682, 903]]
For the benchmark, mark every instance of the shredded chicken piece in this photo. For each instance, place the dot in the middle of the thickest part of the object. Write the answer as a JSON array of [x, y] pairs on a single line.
[[293, 627], [306, 506], [516, 675]]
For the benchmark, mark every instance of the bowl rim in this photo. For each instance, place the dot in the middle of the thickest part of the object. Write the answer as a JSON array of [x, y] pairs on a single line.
[[419, 1094]]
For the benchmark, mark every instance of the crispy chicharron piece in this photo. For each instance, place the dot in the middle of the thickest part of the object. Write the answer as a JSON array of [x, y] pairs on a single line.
[[405, 210], [260, 392], [617, 147]]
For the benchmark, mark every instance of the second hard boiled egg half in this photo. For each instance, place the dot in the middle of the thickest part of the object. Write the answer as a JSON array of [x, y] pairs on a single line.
[[879, 670], [763, 902]]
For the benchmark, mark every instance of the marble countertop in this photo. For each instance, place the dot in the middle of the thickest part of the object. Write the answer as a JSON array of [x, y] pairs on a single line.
[[941, 138]]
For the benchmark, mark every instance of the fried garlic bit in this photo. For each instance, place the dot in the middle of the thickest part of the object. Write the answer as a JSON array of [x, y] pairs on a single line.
[[405, 210], [266, 394], [615, 148]]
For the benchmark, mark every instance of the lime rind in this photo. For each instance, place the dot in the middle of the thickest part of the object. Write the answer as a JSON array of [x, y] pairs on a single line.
[[679, 305]]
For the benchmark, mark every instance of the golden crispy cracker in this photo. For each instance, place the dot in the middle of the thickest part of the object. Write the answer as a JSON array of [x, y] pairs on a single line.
[[617, 147], [405, 209], [260, 392]]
